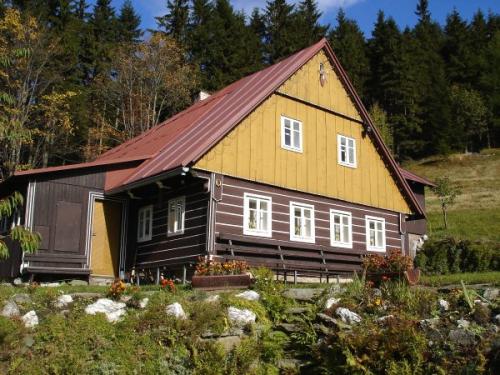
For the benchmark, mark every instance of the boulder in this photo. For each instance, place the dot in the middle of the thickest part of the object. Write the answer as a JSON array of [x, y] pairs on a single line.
[[330, 321], [143, 303], [491, 294], [348, 316], [112, 309], [443, 305], [175, 309], [240, 317], [462, 337], [303, 294], [496, 319], [229, 342], [289, 327], [330, 302], [21, 298], [30, 319], [213, 298], [377, 292], [17, 281], [382, 319], [10, 310], [249, 295], [63, 301]]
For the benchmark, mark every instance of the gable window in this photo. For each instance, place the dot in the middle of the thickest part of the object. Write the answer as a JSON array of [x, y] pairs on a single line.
[[291, 134], [341, 228], [257, 215], [375, 233], [176, 215], [301, 222], [346, 151], [145, 224]]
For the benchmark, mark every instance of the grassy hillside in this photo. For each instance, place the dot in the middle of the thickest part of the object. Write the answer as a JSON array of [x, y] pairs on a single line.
[[476, 214]]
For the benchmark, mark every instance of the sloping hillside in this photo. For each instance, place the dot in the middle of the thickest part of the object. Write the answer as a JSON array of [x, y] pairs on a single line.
[[476, 213]]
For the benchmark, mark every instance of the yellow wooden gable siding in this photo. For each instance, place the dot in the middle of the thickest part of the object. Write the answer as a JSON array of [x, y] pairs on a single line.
[[252, 150]]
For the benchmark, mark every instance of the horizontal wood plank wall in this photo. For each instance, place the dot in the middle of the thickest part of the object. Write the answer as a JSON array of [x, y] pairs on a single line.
[[229, 215], [164, 249], [64, 188], [253, 151]]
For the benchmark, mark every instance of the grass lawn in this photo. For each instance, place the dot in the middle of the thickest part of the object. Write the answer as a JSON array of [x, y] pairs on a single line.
[[468, 278]]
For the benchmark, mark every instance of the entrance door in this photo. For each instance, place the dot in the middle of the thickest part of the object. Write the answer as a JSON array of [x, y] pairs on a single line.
[[106, 234]]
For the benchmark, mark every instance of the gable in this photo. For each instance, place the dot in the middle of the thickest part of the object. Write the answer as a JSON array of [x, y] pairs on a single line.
[[252, 150]]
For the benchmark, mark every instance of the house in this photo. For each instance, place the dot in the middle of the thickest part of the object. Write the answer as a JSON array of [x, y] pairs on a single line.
[[283, 168]]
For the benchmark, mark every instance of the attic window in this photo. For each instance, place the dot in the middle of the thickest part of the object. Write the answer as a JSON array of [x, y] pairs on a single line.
[[291, 134], [346, 151]]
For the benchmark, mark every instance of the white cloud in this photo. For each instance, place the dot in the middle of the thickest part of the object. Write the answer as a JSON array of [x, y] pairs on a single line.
[[324, 5]]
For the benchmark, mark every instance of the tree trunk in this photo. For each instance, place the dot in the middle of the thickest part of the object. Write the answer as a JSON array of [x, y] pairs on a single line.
[[445, 218]]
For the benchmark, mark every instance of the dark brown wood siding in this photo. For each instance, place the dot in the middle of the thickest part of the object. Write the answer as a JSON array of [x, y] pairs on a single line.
[[417, 226], [229, 219], [60, 216], [164, 249]]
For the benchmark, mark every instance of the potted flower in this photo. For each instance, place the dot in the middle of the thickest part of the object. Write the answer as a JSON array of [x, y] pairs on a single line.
[[210, 275], [393, 266]]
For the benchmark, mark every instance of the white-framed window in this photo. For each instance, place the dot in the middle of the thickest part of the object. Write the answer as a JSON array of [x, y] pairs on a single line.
[[257, 215], [346, 151], [145, 224], [291, 134], [341, 228], [301, 222], [176, 215], [375, 233]]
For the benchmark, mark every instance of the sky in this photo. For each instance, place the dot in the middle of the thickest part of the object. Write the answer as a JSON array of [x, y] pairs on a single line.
[[363, 11]]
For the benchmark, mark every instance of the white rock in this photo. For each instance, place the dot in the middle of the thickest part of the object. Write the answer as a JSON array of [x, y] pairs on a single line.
[[17, 281], [240, 317], [30, 319], [249, 295], [330, 302], [497, 319], [443, 305], [213, 298], [50, 285], [113, 310], [143, 303], [384, 318], [175, 309], [348, 316], [10, 309], [462, 323], [63, 301]]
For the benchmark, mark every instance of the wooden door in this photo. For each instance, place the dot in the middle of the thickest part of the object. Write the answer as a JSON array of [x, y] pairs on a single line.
[[106, 235]]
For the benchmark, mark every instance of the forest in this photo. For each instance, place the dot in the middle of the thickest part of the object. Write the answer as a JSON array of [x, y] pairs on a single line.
[[79, 77]]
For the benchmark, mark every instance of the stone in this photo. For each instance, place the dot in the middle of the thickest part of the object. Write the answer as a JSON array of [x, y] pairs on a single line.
[[229, 342], [143, 303], [288, 327], [63, 301], [303, 294], [17, 281], [77, 282], [462, 323], [377, 292], [87, 295], [213, 298], [175, 309], [30, 319], [112, 309], [331, 301], [249, 295], [21, 298], [443, 305], [491, 294], [429, 323], [348, 316], [240, 317], [297, 310], [10, 310], [496, 319], [382, 319], [462, 337], [50, 285], [28, 341], [230, 332]]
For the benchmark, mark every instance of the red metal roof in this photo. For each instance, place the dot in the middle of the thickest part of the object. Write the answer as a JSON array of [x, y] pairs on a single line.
[[413, 177]]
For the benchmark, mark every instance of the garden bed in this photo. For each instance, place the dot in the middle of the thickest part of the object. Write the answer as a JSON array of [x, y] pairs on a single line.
[[218, 282]]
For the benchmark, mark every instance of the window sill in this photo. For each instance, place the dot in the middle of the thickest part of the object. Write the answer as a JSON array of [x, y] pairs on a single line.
[[342, 245], [297, 150], [249, 232], [377, 249], [173, 234], [302, 239], [353, 166]]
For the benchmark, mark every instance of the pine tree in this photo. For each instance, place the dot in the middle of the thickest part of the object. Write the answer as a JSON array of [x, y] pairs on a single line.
[[457, 50], [309, 30], [175, 22], [281, 37], [129, 22], [349, 45]]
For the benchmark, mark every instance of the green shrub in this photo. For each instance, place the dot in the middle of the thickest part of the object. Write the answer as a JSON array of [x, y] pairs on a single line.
[[453, 256]]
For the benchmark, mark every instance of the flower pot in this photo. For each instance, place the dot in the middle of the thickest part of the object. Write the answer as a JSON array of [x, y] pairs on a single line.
[[213, 282]]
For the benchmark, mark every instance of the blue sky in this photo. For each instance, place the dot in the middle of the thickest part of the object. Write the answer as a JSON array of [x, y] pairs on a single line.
[[363, 11]]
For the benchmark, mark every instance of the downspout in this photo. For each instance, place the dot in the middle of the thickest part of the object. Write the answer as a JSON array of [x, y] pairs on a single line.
[[28, 217]]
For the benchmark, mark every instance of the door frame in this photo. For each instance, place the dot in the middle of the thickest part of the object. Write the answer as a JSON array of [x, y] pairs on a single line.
[[93, 196]]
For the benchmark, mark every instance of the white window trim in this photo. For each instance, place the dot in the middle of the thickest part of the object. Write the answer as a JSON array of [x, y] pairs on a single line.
[[182, 226], [348, 244], [346, 164], [283, 145], [140, 231], [375, 248], [246, 213], [293, 237]]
